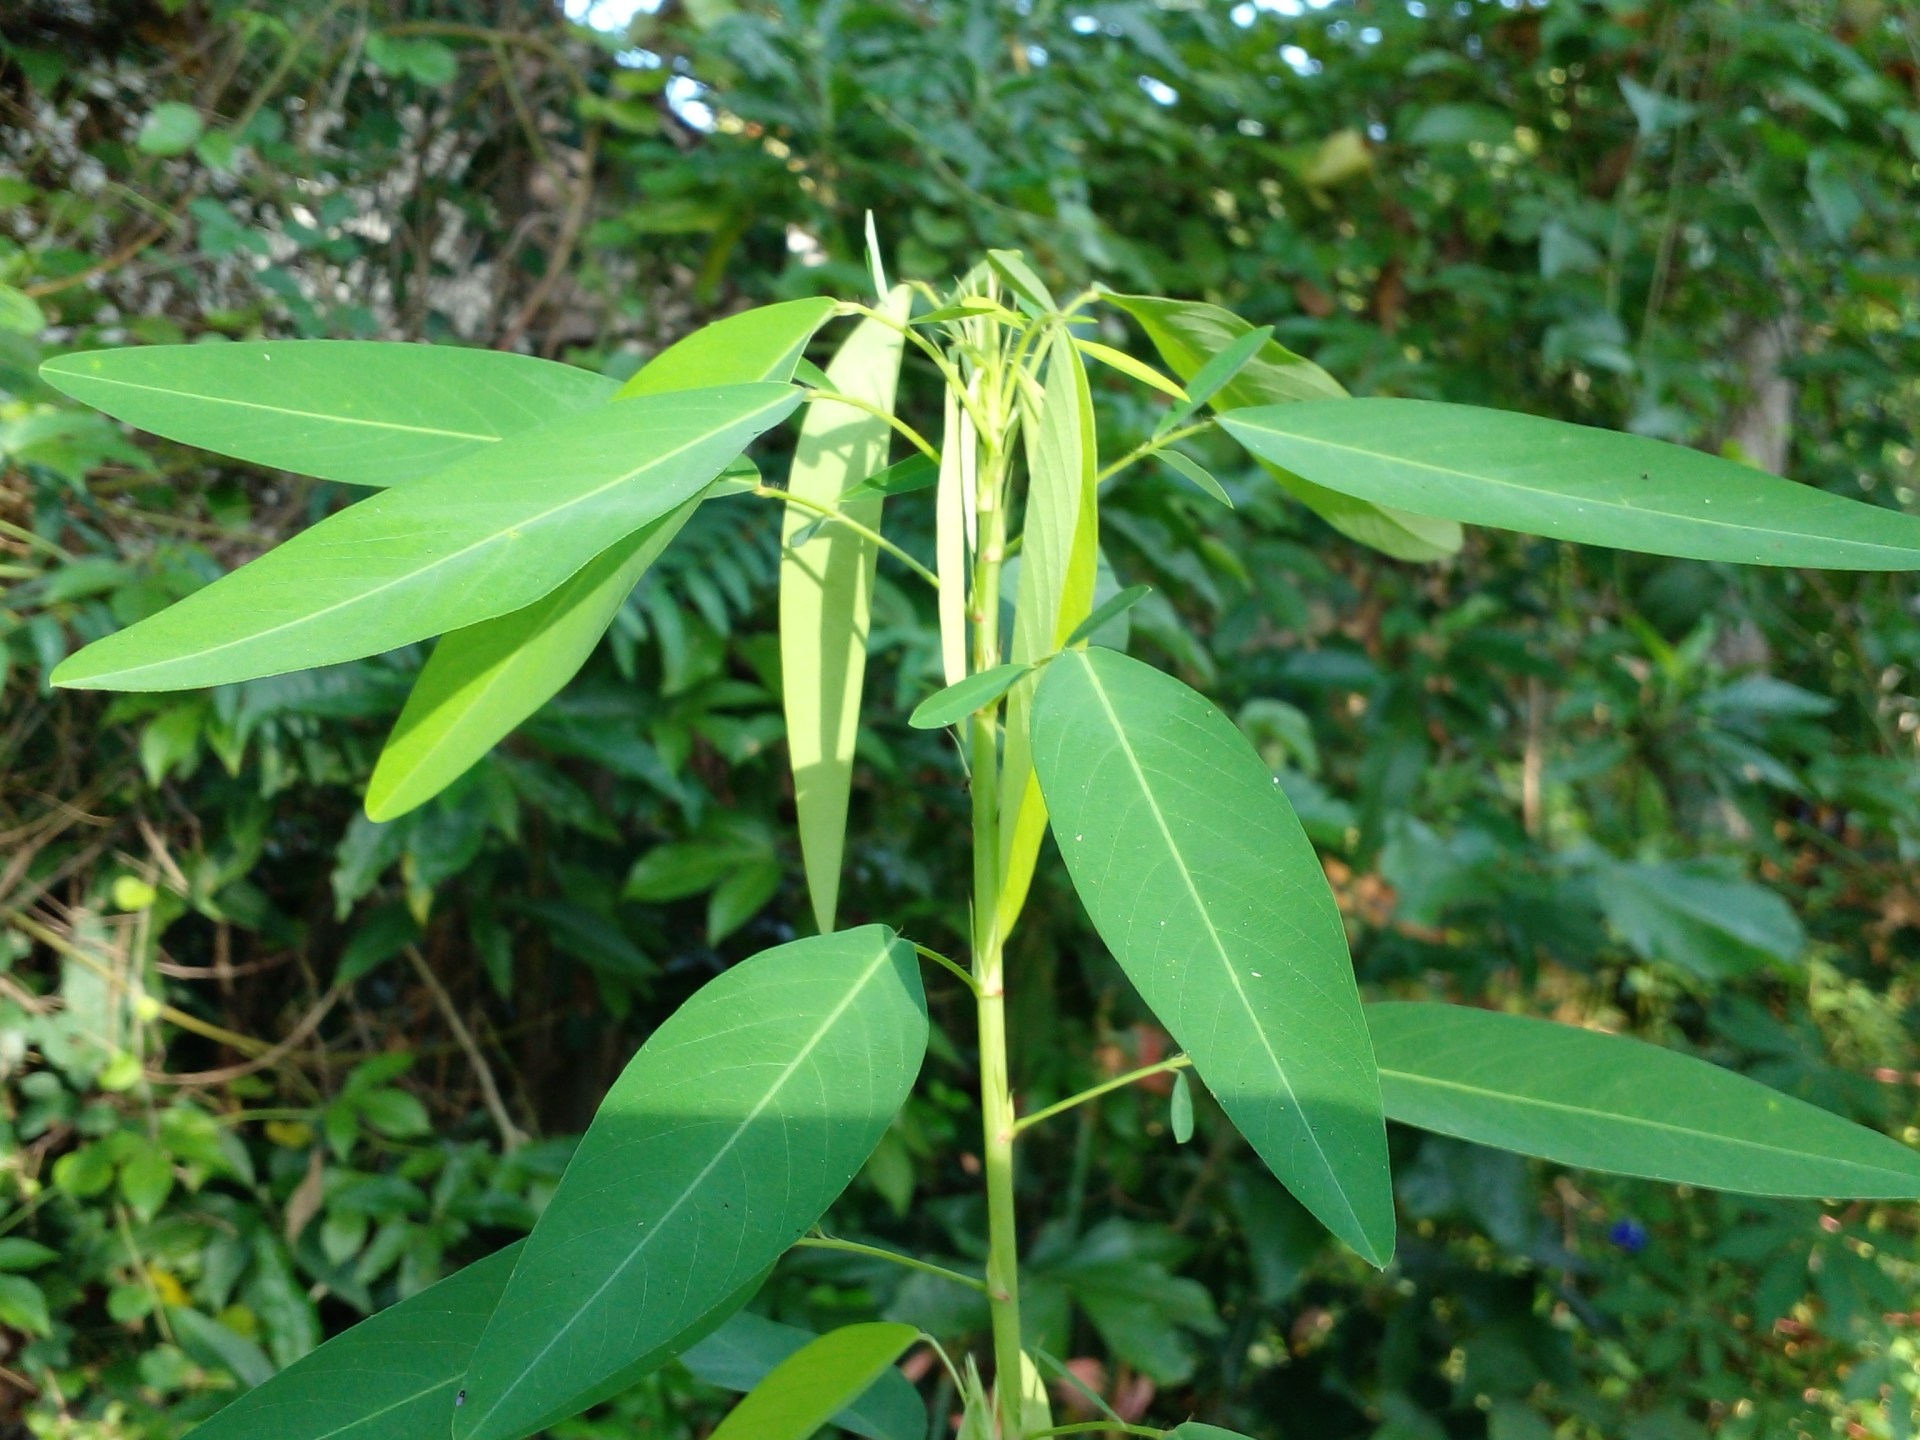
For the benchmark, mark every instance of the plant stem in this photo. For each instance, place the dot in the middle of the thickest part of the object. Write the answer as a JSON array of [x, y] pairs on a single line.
[[996, 1092], [874, 1252], [937, 958], [912, 436], [1178, 1062], [1089, 1427], [1141, 451], [841, 517]]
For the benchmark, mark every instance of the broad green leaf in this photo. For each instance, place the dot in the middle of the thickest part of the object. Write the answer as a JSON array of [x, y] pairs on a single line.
[[759, 344], [1200, 880], [1573, 482], [1605, 1102], [394, 1376], [1187, 334], [1714, 924], [1211, 378], [1199, 474], [483, 680], [359, 411], [826, 594], [806, 1389], [741, 1353], [959, 700], [740, 1120], [169, 129], [1059, 560], [484, 537], [1113, 608]]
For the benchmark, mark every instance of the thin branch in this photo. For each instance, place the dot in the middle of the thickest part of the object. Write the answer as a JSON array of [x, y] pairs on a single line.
[[874, 1252], [867, 532], [511, 1138], [1141, 451], [966, 976], [913, 436], [1178, 1062]]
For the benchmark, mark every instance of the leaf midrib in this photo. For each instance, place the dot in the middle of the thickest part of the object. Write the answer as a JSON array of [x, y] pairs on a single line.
[[1213, 933], [881, 957], [279, 409], [1666, 1126], [410, 576], [1449, 472]]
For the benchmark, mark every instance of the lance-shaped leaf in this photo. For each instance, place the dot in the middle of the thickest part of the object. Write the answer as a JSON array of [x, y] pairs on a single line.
[[764, 343], [1199, 878], [364, 412], [394, 1376], [484, 679], [1606, 1102], [826, 594], [805, 1390], [951, 534], [1573, 482], [1188, 334], [960, 699], [730, 1133], [484, 537], [1059, 563], [742, 1352]]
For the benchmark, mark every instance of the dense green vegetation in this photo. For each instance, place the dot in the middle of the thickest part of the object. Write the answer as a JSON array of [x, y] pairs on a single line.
[[271, 1066]]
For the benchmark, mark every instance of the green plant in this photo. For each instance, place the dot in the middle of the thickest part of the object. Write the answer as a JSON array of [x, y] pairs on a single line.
[[520, 502]]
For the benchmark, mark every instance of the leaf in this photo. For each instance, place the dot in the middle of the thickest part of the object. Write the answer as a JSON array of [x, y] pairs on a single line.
[[23, 1306], [826, 595], [1214, 376], [1012, 267], [916, 472], [740, 1120], [1198, 877], [1187, 333], [764, 343], [739, 1355], [1106, 613], [1199, 474], [957, 449], [1059, 563], [1605, 1102], [1194, 1430], [169, 129], [958, 701], [17, 1253], [1712, 924], [485, 679], [20, 313], [359, 411], [805, 1390], [1573, 482], [1127, 365], [394, 1376], [1180, 1111], [428, 557]]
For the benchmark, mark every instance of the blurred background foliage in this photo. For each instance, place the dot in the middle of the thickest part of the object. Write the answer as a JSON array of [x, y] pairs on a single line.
[[266, 1066]]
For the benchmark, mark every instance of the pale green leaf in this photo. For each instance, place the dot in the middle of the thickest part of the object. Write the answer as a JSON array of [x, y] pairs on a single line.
[[482, 680], [1059, 563], [826, 595], [1127, 365], [806, 1389], [1112, 609], [1214, 376], [1195, 1430], [1180, 1110], [1200, 880], [1012, 267], [741, 1353], [1188, 333], [1573, 482], [765, 343], [364, 412], [169, 129], [1193, 470], [739, 1121], [1606, 1102], [951, 534], [959, 700], [20, 313], [427, 557]]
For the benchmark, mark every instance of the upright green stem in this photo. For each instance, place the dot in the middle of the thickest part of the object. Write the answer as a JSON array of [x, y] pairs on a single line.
[[996, 1091]]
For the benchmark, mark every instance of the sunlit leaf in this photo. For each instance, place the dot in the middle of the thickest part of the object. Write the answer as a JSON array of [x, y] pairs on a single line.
[[1574, 482], [741, 1353], [826, 594], [764, 343], [806, 1389]]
